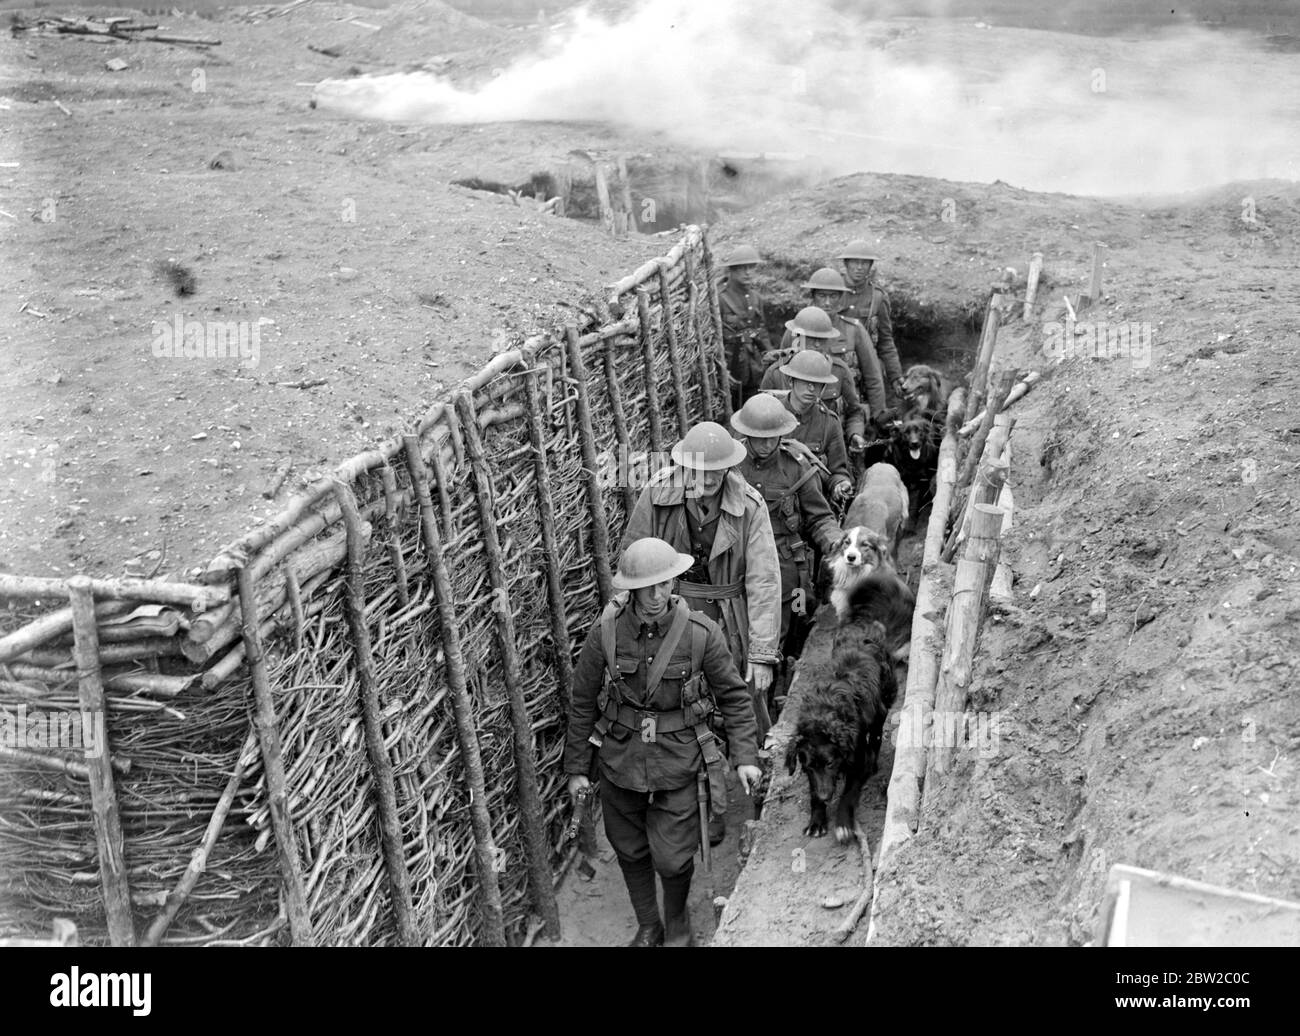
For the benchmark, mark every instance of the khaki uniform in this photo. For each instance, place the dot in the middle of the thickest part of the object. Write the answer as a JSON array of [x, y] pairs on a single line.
[[821, 433], [651, 741], [790, 480], [870, 306]]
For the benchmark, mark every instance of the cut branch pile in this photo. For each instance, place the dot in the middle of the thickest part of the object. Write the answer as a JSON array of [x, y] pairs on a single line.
[[102, 30]]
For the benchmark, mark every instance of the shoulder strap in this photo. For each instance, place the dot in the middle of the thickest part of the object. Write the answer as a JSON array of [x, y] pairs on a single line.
[[803, 452], [666, 649], [608, 618], [699, 641]]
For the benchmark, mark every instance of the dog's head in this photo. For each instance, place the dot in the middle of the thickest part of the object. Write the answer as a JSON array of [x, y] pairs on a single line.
[[923, 387], [858, 553], [822, 757], [914, 435]]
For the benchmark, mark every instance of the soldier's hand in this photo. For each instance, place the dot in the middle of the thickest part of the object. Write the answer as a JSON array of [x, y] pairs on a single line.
[[842, 490], [576, 784], [898, 388], [760, 675], [749, 776], [857, 444]]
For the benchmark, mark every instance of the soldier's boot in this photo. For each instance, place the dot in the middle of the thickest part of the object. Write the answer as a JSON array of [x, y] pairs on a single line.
[[648, 935], [677, 919], [639, 877]]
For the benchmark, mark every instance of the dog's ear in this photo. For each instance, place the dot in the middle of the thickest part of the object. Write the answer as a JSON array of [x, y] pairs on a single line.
[[792, 756]]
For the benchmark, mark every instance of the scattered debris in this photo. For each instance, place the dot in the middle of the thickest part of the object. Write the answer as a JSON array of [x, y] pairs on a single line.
[[116, 65], [306, 383], [329, 52], [224, 159], [277, 478], [26, 307], [59, 104], [101, 30], [182, 278]]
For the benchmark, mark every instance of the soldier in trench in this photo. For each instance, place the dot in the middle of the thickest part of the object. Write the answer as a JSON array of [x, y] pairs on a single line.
[[868, 303], [651, 678], [789, 476], [744, 330]]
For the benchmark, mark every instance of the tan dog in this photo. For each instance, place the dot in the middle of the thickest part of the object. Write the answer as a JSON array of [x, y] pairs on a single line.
[[871, 530], [924, 388]]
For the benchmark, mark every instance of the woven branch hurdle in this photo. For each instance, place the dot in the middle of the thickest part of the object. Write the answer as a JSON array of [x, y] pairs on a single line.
[[349, 728]]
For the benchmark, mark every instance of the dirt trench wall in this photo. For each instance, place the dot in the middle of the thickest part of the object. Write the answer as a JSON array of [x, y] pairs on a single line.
[[648, 375], [1158, 731]]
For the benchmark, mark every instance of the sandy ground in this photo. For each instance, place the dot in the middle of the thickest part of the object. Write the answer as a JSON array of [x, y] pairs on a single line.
[[1162, 736]]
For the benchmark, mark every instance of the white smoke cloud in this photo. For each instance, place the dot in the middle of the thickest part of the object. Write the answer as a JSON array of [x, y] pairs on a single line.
[[1040, 110]]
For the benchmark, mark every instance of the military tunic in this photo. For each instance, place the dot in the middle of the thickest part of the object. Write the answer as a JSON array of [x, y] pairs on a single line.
[[821, 433], [648, 786], [790, 482], [870, 306]]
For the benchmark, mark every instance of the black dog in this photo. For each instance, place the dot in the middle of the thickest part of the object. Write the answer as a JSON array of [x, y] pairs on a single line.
[[840, 729], [915, 453]]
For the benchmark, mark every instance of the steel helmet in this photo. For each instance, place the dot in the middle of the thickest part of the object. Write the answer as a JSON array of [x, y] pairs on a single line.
[[649, 561], [764, 416], [813, 322], [742, 255], [708, 447], [810, 365], [858, 249], [825, 279]]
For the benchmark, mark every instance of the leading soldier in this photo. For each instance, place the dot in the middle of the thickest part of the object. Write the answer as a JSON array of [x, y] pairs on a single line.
[[868, 303], [744, 331], [650, 677]]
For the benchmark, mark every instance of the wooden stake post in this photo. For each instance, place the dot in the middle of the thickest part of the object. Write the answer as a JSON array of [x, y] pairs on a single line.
[[1094, 280], [381, 766], [988, 342], [277, 794], [103, 793], [1031, 287], [965, 614], [595, 502]]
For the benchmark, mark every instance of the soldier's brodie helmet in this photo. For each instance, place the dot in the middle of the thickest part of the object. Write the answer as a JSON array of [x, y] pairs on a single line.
[[708, 447], [649, 561], [825, 279], [742, 255], [810, 365], [859, 249], [812, 322], [764, 417]]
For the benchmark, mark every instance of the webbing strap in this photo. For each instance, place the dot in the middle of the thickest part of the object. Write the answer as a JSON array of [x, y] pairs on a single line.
[[666, 649], [607, 640]]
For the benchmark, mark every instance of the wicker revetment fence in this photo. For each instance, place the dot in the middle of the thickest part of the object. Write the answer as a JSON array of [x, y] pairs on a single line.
[[348, 729]]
